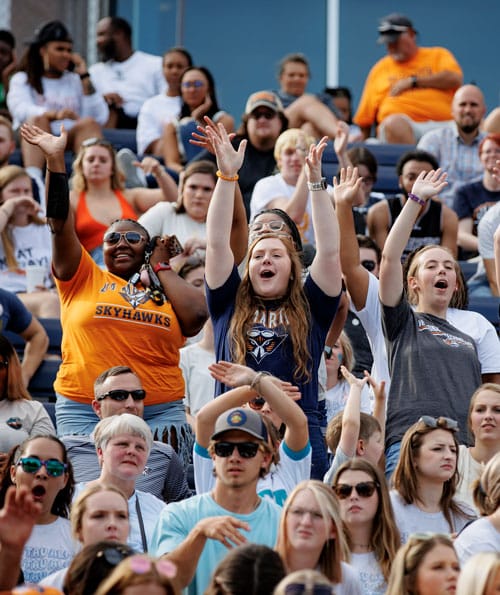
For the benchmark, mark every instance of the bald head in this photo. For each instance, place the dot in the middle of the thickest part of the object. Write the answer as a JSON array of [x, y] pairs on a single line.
[[468, 108]]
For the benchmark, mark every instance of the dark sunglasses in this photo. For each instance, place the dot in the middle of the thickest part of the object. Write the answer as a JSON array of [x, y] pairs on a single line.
[[90, 142], [328, 351], [369, 265], [439, 422], [301, 588], [266, 115], [54, 467], [114, 555], [257, 403], [122, 395], [131, 237], [246, 450], [364, 489]]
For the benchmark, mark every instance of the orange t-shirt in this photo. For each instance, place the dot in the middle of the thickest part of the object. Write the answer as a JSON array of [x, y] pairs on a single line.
[[420, 104], [107, 322], [89, 231]]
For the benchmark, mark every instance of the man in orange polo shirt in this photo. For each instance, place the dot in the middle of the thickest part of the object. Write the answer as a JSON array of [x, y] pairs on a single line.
[[409, 91]]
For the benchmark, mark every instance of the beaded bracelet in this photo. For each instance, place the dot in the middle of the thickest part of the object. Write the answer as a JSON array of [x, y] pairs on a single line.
[[257, 379], [222, 176], [416, 198]]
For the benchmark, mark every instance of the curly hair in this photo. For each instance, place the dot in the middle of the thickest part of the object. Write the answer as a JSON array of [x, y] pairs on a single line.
[[295, 305]]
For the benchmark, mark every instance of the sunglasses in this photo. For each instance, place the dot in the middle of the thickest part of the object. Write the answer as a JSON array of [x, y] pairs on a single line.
[[266, 115], [439, 422], [257, 403], [246, 450], [131, 237], [302, 588], [369, 265], [90, 142], [122, 395], [142, 565], [193, 84], [54, 467], [328, 351], [114, 555], [4, 364], [273, 225], [364, 489]]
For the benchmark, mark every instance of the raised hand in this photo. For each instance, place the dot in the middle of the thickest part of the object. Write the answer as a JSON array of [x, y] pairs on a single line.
[[200, 138], [17, 517], [50, 145], [348, 187], [378, 388], [14, 205], [232, 375], [341, 138], [429, 184], [229, 160], [351, 379], [313, 160]]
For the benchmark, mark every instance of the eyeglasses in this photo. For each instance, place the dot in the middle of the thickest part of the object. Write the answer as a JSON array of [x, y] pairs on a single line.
[[439, 422], [193, 84], [364, 489], [257, 403], [122, 395], [131, 237], [369, 265], [246, 450], [32, 465], [114, 555], [90, 142], [274, 225], [310, 589], [268, 115], [142, 565], [301, 513], [328, 351], [4, 364]]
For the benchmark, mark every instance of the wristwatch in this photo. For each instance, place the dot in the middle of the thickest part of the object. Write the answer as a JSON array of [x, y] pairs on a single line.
[[162, 266], [315, 186], [414, 81]]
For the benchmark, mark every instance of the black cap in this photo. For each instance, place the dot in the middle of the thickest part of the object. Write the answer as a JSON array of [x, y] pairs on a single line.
[[392, 26], [51, 31]]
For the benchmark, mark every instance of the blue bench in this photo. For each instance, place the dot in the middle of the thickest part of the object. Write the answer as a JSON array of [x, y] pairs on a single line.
[[488, 307]]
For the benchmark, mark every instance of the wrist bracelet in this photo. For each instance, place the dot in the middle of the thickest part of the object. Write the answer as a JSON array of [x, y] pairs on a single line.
[[315, 186], [162, 266], [257, 379], [84, 75], [222, 176], [416, 198]]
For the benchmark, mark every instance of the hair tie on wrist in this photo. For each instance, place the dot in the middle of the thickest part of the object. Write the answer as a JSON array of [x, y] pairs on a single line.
[[416, 198], [222, 176]]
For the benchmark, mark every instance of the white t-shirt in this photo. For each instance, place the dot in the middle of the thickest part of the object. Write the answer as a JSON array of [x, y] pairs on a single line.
[[469, 470], [479, 536], [370, 574], [411, 519], [336, 398], [153, 115], [21, 419], [62, 93], [200, 386], [32, 246], [49, 548], [161, 219], [136, 79], [350, 584], [56, 579]]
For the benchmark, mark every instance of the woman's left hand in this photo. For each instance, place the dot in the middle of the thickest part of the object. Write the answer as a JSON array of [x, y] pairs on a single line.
[[313, 160], [429, 184]]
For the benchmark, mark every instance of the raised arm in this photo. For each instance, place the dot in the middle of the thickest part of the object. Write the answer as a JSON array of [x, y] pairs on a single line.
[[219, 259], [254, 384], [496, 239], [66, 247], [37, 343], [356, 276], [325, 268], [143, 199], [391, 272]]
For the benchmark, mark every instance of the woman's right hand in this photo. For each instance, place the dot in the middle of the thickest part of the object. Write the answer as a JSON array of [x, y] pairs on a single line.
[[31, 206], [351, 379], [348, 186], [229, 160], [429, 184], [50, 145]]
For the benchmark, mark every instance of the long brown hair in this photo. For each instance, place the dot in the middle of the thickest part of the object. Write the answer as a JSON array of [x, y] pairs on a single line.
[[405, 479], [295, 305], [14, 389], [385, 539], [8, 174]]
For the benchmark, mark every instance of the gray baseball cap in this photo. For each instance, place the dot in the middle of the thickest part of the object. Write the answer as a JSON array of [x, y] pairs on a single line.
[[246, 420], [392, 26]]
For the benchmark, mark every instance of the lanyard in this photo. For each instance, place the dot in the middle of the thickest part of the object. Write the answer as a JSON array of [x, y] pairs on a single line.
[[141, 524]]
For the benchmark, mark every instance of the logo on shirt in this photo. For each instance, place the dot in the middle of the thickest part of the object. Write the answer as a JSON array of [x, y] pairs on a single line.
[[450, 340], [262, 342], [134, 296]]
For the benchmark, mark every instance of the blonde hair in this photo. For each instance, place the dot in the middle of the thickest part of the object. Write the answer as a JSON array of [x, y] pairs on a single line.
[[295, 307], [493, 387], [486, 489], [78, 180], [289, 140], [79, 506], [335, 548], [8, 174], [126, 423], [478, 573], [307, 579]]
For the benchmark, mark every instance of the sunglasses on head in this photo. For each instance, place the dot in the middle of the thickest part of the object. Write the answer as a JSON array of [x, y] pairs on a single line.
[[364, 489], [302, 589], [114, 555], [90, 142], [131, 237], [439, 422], [142, 565], [246, 450], [369, 265], [257, 403], [122, 395], [54, 467], [273, 225]]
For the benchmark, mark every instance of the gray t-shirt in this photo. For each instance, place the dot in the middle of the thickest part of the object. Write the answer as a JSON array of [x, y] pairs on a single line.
[[434, 368]]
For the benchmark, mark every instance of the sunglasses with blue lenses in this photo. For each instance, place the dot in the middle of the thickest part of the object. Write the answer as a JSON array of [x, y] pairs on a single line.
[[32, 465]]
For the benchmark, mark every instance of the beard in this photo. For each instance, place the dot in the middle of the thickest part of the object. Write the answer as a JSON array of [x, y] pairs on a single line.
[[468, 128], [107, 51]]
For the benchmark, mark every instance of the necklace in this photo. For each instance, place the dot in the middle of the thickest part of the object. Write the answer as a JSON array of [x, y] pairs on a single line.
[[362, 546]]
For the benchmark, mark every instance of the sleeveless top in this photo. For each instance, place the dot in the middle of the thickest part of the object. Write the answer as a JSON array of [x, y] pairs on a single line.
[[89, 231]]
